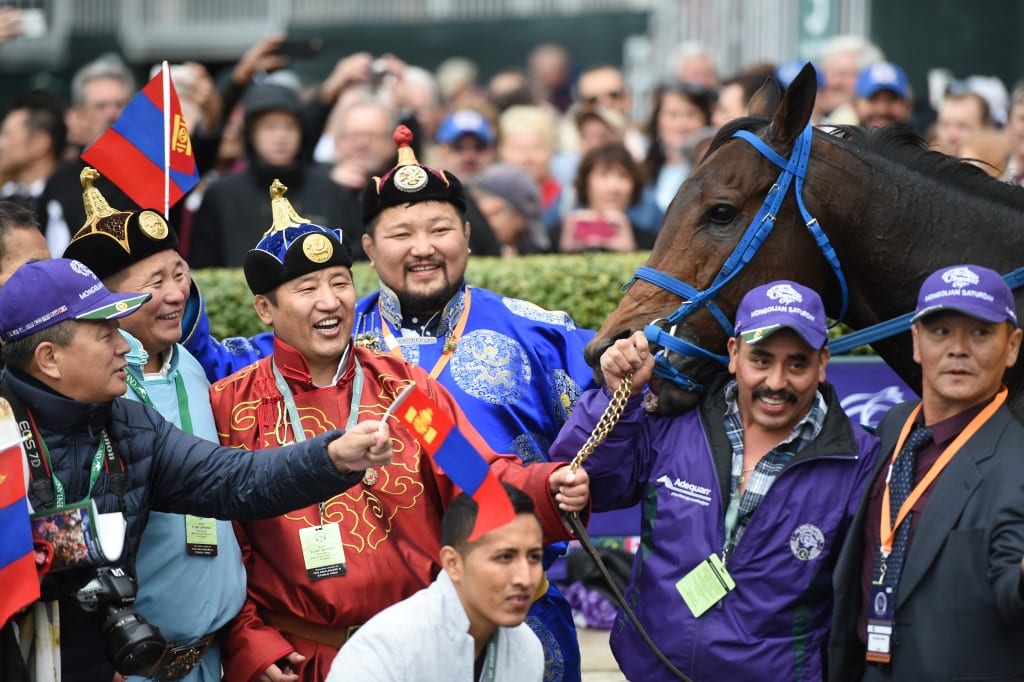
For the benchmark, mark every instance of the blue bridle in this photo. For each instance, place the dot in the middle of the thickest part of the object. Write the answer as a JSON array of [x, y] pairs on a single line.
[[794, 171]]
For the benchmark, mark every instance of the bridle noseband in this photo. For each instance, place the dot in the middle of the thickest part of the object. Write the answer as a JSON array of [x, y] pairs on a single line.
[[795, 167]]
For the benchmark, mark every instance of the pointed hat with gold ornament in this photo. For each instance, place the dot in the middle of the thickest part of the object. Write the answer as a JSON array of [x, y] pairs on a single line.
[[410, 182], [292, 247], [111, 239]]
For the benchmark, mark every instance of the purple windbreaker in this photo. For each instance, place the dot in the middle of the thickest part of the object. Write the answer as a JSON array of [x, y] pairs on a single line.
[[774, 624]]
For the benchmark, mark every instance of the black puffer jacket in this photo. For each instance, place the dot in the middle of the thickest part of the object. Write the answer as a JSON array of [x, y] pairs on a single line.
[[167, 470]]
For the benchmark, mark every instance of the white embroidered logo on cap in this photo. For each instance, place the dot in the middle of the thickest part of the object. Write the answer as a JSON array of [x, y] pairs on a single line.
[[81, 269], [960, 277], [883, 73], [785, 294]]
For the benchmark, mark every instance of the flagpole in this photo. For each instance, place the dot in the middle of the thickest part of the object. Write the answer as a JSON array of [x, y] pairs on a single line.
[[167, 139]]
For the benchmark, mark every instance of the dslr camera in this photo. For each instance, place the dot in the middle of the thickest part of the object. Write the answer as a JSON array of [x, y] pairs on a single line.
[[131, 643]]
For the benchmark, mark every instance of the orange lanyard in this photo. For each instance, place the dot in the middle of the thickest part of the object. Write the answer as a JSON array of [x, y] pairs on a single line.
[[450, 342], [887, 532]]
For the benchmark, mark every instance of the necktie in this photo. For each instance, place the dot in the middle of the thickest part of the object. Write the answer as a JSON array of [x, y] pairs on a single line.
[[900, 483]]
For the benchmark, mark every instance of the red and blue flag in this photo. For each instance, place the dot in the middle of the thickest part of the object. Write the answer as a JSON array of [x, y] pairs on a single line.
[[132, 152], [18, 572], [433, 428]]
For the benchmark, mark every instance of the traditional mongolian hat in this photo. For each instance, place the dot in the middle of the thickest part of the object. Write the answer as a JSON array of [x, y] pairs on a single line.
[[292, 247], [111, 240], [409, 182]]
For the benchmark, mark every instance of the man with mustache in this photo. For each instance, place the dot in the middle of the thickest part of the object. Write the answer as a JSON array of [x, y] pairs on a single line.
[[516, 369], [745, 499], [928, 585]]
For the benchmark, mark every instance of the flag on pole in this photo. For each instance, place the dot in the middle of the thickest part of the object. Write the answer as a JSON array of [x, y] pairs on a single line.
[[147, 153], [17, 561], [436, 433]]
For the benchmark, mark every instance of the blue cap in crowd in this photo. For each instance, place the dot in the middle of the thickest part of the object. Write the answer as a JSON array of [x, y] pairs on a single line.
[[883, 76], [465, 122]]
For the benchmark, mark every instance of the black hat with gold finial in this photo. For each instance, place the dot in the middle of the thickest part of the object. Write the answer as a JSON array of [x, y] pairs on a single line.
[[409, 182], [111, 240], [292, 247]]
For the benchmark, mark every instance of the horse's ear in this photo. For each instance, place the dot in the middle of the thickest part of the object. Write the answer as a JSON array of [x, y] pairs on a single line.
[[766, 100], [794, 113]]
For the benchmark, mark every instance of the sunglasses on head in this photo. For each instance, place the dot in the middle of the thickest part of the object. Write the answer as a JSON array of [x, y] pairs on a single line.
[[612, 95]]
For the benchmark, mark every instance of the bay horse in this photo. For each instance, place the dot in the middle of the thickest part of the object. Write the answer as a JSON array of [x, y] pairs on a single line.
[[892, 211]]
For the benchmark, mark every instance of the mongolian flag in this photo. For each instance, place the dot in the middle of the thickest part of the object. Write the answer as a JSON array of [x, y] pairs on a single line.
[[17, 561], [434, 429], [147, 153]]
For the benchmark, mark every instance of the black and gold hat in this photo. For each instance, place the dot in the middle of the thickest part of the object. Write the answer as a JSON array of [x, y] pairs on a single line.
[[409, 182], [111, 240], [292, 247]]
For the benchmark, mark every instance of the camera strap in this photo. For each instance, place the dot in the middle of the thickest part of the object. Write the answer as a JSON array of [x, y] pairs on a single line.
[[43, 483]]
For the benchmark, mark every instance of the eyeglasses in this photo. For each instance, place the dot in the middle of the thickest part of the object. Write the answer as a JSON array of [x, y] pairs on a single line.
[[613, 95], [471, 144]]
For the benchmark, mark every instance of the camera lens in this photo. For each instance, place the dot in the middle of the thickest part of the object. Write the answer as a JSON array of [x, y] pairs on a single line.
[[132, 644]]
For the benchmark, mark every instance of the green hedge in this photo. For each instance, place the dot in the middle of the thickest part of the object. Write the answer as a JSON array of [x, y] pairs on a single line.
[[585, 286], [588, 287]]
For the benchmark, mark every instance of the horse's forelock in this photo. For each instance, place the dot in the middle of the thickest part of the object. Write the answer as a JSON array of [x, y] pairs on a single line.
[[726, 132]]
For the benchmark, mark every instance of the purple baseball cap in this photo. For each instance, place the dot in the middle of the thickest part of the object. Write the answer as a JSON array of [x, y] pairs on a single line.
[[42, 293], [782, 305], [968, 289]]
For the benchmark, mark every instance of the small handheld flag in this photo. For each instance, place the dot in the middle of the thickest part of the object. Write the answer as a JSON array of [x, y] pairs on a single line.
[[18, 571], [147, 153], [433, 428]]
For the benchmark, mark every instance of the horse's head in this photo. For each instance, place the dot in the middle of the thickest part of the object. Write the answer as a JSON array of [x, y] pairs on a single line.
[[704, 224]]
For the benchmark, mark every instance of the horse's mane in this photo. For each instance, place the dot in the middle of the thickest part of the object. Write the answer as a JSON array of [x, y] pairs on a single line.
[[900, 144]]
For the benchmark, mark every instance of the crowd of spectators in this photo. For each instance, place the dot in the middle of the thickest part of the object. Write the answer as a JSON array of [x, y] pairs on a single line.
[[568, 126]]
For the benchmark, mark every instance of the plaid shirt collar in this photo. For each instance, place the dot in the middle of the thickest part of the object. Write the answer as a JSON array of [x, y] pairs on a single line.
[[770, 465]]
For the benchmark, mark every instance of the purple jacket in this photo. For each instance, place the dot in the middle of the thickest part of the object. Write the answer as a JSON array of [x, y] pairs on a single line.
[[774, 624]]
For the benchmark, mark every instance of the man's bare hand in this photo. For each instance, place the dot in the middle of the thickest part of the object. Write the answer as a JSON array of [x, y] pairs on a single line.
[[365, 445], [284, 672], [571, 490], [632, 354]]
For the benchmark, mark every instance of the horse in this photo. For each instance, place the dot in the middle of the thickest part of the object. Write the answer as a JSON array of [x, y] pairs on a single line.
[[869, 215]]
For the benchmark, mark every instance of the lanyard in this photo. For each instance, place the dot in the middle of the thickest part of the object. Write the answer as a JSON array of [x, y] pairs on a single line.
[[179, 387], [887, 532], [293, 412], [450, 342], [298, 432]]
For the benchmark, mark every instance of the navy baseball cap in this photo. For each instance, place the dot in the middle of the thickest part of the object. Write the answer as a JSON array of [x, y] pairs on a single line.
[[43, 293], [782, 305], [465, 122], [969, 289], [883, 76]]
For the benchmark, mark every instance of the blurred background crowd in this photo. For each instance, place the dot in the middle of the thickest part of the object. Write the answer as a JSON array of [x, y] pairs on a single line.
[[573, 123]]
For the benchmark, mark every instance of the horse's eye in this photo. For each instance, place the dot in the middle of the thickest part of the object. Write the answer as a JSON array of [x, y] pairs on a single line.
[[722, 214]]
